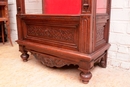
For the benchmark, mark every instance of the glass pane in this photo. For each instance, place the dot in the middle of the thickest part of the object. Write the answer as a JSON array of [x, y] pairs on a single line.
[[62, 6], [101, 6], [53, 6], [33, 6]]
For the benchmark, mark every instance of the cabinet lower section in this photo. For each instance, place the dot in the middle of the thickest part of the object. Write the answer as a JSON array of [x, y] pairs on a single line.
[[57, 57]]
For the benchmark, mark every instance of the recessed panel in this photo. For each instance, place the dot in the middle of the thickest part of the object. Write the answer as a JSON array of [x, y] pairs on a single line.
[[53, 31]]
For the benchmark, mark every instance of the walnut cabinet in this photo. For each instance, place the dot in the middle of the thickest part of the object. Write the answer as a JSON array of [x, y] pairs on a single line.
[[66, 32]]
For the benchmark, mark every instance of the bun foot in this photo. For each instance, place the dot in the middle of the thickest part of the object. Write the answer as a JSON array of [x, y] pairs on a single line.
[[85, 77], [25, 57]]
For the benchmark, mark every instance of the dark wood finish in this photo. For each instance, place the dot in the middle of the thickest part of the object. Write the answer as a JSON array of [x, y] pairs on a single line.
[[4, 18], [2, 32], [58, 40]]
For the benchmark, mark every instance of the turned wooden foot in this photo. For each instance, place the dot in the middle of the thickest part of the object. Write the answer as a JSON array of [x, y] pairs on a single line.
[[25, 56], [85, 77]]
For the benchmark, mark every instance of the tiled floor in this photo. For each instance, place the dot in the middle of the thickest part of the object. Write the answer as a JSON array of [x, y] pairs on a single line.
[[16, 73]]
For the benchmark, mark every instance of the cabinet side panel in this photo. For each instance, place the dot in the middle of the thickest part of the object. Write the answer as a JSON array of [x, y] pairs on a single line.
[[101, 31], [58, 31]]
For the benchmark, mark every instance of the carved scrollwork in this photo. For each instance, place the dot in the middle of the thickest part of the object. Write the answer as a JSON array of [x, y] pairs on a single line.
[[50, 61], [86, 6]]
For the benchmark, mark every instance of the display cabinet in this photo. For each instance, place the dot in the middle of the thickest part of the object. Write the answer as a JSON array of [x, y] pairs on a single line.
[[66, 32]]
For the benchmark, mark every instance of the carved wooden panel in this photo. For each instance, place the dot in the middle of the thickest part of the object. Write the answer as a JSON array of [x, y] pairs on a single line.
[[100, 33], [100, 29], [50, 61], [55, 33]]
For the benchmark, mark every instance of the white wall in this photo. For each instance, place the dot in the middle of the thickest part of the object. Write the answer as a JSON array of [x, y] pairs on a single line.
[[119, 52], [33, 6], [12, 16]]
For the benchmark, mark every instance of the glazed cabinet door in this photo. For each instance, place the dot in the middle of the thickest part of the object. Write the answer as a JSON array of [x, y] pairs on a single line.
[[102, 23]]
